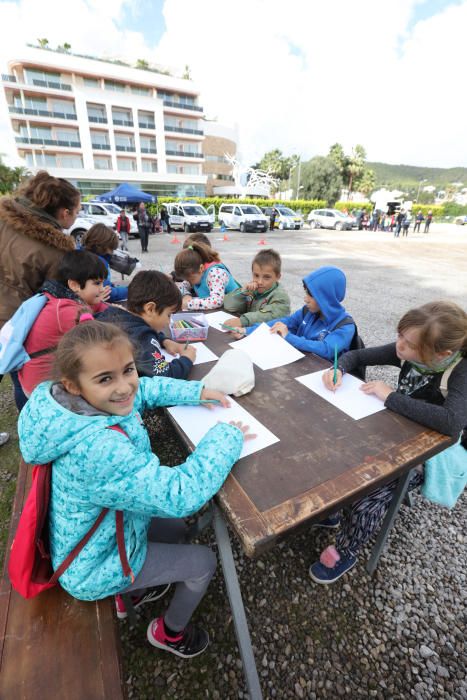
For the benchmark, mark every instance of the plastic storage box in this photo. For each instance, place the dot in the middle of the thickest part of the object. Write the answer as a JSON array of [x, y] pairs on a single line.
[[188, 326]]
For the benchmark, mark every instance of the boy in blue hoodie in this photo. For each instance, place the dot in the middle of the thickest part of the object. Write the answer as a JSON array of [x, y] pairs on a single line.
[[320, 325]]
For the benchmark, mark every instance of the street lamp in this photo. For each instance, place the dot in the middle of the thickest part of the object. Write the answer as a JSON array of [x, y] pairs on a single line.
[[419, 185]]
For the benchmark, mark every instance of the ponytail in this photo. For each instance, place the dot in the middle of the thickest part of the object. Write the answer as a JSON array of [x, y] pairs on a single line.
[[189, 260]]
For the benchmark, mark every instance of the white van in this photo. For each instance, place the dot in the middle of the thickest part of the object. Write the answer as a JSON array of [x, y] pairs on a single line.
[[190, 217], [106, 213], [246, 217]]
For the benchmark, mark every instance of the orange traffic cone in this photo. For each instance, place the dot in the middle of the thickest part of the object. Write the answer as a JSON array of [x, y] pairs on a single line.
[[175, 239], [262, 240], [226, 238]]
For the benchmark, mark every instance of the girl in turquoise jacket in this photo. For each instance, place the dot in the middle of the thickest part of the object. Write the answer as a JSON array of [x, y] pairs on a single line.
[[67, 423]]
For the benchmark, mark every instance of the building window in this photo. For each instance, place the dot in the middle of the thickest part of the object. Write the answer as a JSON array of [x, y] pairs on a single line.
[[97, 113], [58, 161], [140, 90], [182, 147], [92, 82], [216, 159], [37, 132], [101, 163], [146, 119], [126, 164], [113, 85], [122, 117], [149, 166], [63, 107], [148, 144], [28, 157], [124, 142], [70, 162], [99, 138], [33, 74], [182, 169]]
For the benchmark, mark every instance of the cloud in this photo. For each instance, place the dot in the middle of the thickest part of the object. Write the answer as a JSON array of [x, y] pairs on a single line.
[[297, 75]]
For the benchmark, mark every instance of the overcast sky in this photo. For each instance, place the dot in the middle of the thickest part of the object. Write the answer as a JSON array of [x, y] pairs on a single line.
[[296, 75]]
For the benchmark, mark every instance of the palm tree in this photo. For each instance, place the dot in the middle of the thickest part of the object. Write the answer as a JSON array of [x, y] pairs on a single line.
[[141, 63], [66, 47], [187, 73], [43, 43]]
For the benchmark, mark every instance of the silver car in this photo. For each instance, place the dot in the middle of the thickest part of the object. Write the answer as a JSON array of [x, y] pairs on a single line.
[[330, 218]]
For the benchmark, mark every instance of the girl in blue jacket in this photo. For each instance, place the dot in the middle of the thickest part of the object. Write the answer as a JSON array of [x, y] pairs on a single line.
[[66, 422], [206, 277], [320, 326]]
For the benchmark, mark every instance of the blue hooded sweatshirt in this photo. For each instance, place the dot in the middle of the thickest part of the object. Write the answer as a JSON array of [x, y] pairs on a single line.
[[314, 332], [95, 468]]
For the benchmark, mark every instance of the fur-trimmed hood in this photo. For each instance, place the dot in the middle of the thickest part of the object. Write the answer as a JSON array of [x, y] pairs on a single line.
[[28, 223]]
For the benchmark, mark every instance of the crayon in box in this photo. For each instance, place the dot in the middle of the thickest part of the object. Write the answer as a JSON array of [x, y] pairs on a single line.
[[194, 327]]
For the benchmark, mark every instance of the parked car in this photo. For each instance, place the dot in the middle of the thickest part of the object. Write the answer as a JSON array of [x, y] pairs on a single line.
[[245, 217], [190, 216], [330, 218], [285, 218], [81, 225], [107, 213], [461, 220]]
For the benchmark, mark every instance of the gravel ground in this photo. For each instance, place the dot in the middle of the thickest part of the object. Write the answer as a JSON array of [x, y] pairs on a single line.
[[400, 634]]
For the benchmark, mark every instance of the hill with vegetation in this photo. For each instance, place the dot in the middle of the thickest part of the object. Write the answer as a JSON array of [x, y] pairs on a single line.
[[407, 177]]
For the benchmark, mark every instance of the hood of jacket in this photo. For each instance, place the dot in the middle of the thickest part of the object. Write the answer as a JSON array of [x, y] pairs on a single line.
[[327, 285], [131, 323], [48, 428], [29, 223]]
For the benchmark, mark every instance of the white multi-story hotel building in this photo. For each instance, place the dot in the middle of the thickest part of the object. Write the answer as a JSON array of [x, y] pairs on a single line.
[[99, 123]]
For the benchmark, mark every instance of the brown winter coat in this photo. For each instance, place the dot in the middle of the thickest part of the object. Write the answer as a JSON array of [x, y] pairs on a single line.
[[30, 248]]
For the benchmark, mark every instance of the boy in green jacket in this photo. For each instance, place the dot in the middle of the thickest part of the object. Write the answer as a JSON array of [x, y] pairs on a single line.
[[262, 299]]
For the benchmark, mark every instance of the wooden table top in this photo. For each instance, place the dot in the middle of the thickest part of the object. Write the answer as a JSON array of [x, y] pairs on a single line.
[[324, 459]]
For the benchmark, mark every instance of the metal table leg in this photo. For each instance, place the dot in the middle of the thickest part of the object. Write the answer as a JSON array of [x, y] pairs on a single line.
[[399, 495], [236, 605]]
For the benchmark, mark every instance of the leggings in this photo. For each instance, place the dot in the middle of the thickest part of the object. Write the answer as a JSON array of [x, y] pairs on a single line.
[[359, 523], [168, 560]]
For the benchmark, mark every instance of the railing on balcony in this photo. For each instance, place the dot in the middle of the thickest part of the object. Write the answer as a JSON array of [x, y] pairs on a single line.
[[146, 125], [101, 146], [182, 105], [97, 120], [47, 142], [183, 154], [125, 148], [148, 149], [51, 84], [122, 122], [183, 130], [42, 113], [8, 78]]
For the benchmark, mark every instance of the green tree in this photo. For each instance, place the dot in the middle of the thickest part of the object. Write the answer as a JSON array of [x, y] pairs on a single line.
[[366, 183], [352, 168], [10, 177], [66, 47], [321, 179], [141, 63], [276, 164], [43, 43]]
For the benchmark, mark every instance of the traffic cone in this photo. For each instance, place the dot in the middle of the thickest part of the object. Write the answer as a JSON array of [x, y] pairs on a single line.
[[175, 239], [225, 237], [262, 240]]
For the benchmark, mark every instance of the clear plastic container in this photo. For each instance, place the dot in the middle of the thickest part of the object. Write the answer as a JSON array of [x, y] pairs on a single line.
[[198, 330]]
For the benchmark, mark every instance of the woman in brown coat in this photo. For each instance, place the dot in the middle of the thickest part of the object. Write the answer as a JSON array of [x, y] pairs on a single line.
[[31, 238]]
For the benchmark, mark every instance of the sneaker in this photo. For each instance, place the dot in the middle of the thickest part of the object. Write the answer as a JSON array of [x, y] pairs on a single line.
[[139, 600], [189, 643], [4, 437], [320, 573], [330, 523]]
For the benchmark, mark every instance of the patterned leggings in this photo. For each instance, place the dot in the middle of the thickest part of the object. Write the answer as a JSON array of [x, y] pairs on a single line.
[[359, 523]]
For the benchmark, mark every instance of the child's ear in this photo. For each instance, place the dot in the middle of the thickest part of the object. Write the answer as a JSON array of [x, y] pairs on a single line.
[[74, 286], [71, 387], [150, 308]]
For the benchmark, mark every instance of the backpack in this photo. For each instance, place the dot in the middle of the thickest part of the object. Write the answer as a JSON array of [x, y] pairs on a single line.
[[122, 262], [14, 333], [29, 565], [356, 344]]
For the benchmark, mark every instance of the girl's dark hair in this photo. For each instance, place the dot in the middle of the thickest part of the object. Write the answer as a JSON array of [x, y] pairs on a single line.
[[196, 237], [99, 238], [86, 335], [81, 266], [150, 285], [50, 193], [442, 326], [189, 259]]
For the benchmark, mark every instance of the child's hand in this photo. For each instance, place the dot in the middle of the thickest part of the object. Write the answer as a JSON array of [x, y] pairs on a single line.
[[377, 388], [216, 396], [106, 292], [172, 347], [328, 379], [251, 286], [280, 328], [240, 334], [233, 322], [185, 301], [189, 352], [244, 428]]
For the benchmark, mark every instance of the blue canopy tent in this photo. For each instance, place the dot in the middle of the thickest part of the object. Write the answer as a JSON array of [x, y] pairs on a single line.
[[126, 194]]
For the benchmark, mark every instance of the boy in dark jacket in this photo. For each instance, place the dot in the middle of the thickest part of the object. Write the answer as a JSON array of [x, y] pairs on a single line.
[[152, 299]]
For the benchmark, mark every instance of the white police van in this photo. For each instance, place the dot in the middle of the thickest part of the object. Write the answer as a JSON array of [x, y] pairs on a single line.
[[190, 217]]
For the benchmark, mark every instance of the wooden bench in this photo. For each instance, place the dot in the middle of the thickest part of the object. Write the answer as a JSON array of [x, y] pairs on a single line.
[[55, 646]]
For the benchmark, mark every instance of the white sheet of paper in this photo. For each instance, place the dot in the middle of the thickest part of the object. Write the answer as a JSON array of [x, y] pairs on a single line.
[[348, 398], [267, 350], [217, 318], [203, 354], [195, 421]]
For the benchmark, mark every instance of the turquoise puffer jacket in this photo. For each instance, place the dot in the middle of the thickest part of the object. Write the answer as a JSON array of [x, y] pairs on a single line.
[[95, 468]]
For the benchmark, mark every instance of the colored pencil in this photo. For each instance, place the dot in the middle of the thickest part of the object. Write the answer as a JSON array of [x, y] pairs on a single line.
[[334, 379], [186, 345], [231, 328]]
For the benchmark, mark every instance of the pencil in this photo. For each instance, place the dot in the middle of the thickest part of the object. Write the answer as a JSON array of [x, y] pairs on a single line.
[[186, 345], [231, 328], [334, 379]]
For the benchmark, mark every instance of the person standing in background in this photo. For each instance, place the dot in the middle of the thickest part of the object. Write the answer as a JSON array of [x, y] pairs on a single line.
[[123, 228], [144, 225], [418, 221], [428, 220]]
